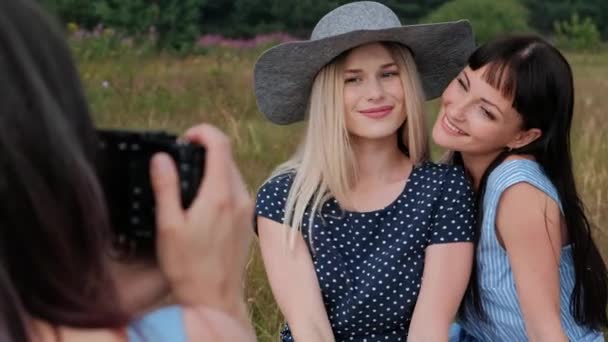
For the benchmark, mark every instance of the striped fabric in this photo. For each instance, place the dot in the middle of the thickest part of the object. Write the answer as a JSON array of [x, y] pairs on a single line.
[[498, 294]]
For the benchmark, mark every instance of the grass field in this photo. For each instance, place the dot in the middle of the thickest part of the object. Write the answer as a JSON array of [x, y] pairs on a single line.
[[171, 93]]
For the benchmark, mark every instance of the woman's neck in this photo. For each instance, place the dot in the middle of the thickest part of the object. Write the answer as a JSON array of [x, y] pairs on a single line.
[[379, 160], [476, 166]]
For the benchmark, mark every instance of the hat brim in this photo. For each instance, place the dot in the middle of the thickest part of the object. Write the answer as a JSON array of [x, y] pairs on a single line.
[[283, 75]]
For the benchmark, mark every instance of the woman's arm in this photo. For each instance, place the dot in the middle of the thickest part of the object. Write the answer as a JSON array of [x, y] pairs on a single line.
[[447, 268], [448, 260], [294, 282], [529, 226]]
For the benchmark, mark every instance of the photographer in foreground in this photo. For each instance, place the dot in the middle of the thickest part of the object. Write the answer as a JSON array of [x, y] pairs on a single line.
[[57, 282]]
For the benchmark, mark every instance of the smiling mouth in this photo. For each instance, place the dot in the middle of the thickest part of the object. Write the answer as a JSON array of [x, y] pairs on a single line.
[[450, 127], [377, 112]]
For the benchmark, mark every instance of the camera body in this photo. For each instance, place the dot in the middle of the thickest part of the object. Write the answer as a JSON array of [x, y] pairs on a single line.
[[124, 171]]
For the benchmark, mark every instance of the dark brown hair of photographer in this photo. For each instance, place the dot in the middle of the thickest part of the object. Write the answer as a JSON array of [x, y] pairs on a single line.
[[54, 225]]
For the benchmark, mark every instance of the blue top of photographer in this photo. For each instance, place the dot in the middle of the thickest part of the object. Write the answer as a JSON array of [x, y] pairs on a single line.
[[162, 325], [369, 264]]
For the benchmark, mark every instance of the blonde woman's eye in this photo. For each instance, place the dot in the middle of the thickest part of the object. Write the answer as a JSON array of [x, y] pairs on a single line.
[[390, 74], [352, 80]]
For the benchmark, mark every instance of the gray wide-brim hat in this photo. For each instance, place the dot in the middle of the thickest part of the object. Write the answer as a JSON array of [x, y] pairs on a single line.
[[283, 75]]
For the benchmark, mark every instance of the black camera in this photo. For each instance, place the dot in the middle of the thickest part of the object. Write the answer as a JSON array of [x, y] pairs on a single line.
[[124, 172]]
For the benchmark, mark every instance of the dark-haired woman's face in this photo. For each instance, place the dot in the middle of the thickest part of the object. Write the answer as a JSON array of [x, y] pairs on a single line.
[[476, 118]]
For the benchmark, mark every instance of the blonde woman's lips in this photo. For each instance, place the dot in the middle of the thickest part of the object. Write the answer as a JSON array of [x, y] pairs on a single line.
[[377, 112]]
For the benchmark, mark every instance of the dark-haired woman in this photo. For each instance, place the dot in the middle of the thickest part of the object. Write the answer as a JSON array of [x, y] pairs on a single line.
[[56, 280], [539, 275]]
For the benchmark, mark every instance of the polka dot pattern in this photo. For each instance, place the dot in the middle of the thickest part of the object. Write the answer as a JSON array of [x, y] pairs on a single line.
[[369, 264]]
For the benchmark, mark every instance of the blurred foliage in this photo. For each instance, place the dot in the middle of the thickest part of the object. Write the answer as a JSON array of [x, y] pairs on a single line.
[[544, 14], [489, 18], [577, 34], [74, 11], [232, 18], [245, 18], [175, 24], [178, 23], [107, 44]]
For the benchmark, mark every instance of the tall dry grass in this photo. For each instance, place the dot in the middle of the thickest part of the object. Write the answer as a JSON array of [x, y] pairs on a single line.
[[171, 93]]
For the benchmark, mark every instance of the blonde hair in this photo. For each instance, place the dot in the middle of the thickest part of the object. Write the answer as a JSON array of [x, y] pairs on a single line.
[[324, 165]]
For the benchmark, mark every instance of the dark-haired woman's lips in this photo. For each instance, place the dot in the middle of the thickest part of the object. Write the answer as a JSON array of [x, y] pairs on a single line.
[[450, 128]]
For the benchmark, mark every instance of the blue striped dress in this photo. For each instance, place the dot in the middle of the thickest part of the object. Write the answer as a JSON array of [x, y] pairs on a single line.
[[504, 321]]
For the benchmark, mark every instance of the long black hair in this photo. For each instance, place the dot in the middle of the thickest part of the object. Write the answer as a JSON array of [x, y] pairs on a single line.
[[54, 227], [539, 80]]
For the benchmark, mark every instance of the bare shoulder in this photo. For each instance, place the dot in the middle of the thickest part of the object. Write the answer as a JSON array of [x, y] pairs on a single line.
[[526, 212], [524, 198]]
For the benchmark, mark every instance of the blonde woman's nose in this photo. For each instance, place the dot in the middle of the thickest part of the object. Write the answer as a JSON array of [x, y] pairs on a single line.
[[374, 89]]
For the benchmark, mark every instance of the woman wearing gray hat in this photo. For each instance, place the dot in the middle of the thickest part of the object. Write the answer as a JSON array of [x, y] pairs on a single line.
[[351, 223]]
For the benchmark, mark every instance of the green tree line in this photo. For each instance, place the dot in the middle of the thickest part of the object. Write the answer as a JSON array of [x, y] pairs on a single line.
[[181, 21]]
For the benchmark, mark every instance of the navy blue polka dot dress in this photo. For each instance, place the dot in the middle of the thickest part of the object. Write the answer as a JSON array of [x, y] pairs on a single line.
[[369, 264]]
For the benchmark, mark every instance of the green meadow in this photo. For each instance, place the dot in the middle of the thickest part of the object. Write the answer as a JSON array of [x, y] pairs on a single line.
[[149, 91]]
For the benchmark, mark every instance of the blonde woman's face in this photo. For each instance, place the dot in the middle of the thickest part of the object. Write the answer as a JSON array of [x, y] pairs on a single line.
[[374, 100]]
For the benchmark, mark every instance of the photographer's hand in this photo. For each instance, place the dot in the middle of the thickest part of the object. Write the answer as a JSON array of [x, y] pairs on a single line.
[[203, 250]]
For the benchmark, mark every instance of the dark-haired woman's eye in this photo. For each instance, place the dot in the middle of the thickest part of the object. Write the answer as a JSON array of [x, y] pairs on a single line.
[[462, 84], [488, 114]]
